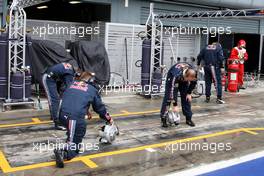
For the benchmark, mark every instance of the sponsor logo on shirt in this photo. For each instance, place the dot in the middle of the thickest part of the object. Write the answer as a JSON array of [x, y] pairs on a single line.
[[67, 66], [79, 86]]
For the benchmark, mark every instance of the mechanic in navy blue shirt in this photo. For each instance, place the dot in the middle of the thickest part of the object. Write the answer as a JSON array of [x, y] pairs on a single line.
[[181, 77], [212, 57], [64, 73], [76, 101]]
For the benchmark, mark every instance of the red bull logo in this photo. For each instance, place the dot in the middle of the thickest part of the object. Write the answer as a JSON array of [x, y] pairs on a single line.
[[79, 86], [67, 66]]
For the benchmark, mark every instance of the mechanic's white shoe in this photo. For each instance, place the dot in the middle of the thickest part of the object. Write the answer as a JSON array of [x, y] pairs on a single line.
[[220, 101]]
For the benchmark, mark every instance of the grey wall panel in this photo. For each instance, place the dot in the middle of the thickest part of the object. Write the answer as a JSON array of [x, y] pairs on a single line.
[[183, 46], [1, 6], [101, 36], [138, 11], [169, 8], [203, 42], [1, 13], [132, 13], [122, 14], [261, 27], [249, 4], [237, 25]]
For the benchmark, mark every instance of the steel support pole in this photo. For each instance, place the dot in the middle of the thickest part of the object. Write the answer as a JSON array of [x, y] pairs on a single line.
[[260, 53]]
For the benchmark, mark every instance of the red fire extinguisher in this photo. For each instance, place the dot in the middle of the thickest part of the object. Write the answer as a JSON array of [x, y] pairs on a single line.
[[233, 69]]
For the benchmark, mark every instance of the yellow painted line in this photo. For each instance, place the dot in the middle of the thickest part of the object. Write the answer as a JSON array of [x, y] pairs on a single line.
[[4, 165], [87, 159], [123, 151], [139, 112], [125, 112], [255, 129], [28, 167], [24, 124], [250, 132], [36, 120], [89, 163], [135, 113]]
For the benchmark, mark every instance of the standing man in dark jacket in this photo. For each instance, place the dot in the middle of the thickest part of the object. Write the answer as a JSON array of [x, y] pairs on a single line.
[[75, 105], [64, 73], [212, 58], [181, 77]]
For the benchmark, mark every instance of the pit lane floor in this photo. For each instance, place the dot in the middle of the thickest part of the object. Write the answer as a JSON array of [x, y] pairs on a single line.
[[222, 132]]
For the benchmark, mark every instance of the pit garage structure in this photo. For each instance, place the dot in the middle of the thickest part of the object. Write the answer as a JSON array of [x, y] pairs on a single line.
[[154, 29]]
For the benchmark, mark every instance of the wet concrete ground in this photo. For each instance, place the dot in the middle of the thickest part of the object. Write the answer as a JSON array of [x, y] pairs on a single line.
[[143, 146]]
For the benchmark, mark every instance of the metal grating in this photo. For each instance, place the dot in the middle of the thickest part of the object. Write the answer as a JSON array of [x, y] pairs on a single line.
[[116, 36], [184, 46], [28, 3]]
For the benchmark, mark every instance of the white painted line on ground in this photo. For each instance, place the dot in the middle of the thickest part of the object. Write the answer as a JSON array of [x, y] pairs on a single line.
[[218, 165], [150, 150], [117, 96]]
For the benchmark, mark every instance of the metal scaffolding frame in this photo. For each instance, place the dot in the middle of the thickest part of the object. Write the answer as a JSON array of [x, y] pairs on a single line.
[[154, 26], [212, 14], [154, 31], [16, 44], [17, 50]]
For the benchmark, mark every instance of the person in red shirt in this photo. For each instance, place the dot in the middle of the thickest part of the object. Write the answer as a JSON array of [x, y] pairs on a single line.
[[240, 53]]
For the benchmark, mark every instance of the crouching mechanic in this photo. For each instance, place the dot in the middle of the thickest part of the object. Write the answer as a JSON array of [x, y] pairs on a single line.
[[76, 101], [212, 57], [181, 77], [64, 73]]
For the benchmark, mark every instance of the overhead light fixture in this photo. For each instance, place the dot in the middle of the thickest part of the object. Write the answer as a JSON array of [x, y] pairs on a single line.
[[42, 7], [75, 2]]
